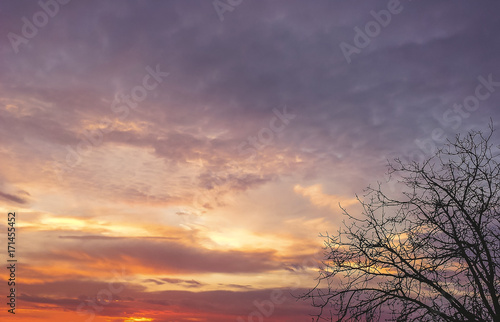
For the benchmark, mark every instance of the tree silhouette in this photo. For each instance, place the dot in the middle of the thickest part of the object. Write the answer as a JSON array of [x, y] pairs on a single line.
[[432, 254]]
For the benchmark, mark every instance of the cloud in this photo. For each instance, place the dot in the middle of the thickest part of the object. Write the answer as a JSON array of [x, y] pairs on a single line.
[[257, 218], [165, 256], [19, 199], [318, 198], [211, 305], [93, 237], [185, 283]]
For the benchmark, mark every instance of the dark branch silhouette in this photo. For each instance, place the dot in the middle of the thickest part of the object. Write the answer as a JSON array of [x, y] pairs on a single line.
[[432, 254]]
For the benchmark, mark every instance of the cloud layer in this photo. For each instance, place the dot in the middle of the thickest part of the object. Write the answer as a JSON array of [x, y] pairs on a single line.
[[201, 189]]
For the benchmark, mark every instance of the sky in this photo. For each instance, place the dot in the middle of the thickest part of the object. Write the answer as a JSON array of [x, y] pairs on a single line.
[[178, 160]]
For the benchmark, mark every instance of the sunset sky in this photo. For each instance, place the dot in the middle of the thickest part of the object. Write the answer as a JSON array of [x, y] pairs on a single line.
[[177, 160]]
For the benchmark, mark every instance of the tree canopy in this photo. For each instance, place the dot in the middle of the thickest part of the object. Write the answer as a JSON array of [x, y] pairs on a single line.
[[430, 254]]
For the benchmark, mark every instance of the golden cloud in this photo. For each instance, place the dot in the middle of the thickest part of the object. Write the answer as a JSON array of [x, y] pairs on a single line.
[[320, 199]]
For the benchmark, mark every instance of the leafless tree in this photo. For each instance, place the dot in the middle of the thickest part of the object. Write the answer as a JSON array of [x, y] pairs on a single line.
[[432, 254]]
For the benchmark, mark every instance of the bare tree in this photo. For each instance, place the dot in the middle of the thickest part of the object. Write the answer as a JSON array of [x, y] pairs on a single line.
[[431, 255]]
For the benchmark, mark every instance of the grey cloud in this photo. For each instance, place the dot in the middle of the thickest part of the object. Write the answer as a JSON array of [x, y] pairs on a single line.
[[10, 197]]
